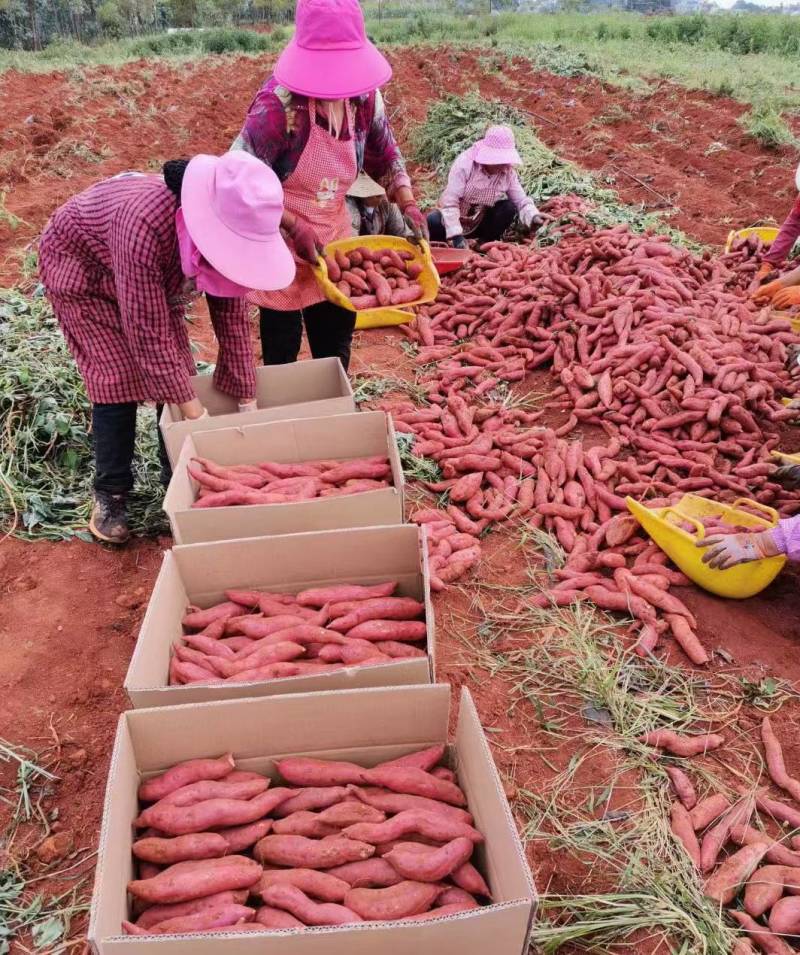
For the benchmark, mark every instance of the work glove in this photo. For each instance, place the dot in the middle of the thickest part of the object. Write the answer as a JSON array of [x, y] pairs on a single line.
[[729, 550], [788, 475], [245, 406], [766, 270], [459, 242], [304, 241], [787, 297], [766, 293], [530, 218], [415, 220]]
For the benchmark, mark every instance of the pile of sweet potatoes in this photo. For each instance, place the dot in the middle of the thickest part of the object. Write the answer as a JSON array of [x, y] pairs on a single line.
[[252, 636], [335, 843], [657, 347], [370, 278], [271, 482], [760, 871]]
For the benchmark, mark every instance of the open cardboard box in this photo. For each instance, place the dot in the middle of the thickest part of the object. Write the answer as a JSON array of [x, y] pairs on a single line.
[[306, 439], [200, 573], [302, 389], [366, 726]]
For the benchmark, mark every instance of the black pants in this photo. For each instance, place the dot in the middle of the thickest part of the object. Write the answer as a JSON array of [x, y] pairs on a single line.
[[114, 433], [329, 329], [492, 226]]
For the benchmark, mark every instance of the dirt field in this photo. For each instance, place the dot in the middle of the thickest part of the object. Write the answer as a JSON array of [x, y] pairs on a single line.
[[71, 611]]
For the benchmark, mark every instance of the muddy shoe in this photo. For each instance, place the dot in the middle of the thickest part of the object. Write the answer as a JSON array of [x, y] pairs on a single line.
[[109, 521]]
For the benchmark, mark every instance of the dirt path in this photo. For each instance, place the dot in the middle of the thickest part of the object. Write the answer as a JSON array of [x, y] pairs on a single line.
[[72, 610]]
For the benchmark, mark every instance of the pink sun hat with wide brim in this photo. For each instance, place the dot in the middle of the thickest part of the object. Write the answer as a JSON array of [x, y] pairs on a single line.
[[232, 206], [497, 148], [329, 56]]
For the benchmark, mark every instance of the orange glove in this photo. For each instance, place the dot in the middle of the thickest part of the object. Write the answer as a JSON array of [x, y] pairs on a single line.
[[787, 298], [766, 292], [765, 270]]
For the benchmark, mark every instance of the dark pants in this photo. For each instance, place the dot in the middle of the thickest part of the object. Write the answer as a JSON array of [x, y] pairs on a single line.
[[329, 329], [492, 226], [114, 433]]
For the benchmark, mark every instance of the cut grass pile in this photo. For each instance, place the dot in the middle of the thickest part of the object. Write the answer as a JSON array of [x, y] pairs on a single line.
[[46, 465]]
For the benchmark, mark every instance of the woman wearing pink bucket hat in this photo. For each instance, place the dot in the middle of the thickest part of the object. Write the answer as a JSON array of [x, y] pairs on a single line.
[[483, 193], [119, 263], [318, 121]]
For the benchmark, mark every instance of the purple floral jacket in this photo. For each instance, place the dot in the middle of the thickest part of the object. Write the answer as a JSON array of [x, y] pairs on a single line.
[[276, 131]]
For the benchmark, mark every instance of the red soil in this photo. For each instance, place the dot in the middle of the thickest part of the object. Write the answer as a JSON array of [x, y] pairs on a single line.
[[71, 611]]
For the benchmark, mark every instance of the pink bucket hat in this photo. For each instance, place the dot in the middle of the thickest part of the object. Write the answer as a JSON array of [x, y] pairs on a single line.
[[232, 206], [497, 148], [329, 56]]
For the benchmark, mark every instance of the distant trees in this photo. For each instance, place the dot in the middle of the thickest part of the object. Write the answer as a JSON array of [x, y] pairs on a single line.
[[32, 24]]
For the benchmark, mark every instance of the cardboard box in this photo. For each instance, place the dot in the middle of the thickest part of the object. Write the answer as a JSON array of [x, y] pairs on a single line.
[[305, 439], [200, 573], [367, 726], [303, 389]]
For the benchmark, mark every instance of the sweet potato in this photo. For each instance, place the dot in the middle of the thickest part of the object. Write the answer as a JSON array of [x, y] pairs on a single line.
[[383, 630], [161, 851], [679, 745], [763, 939], [276, 918], [468, 878], [724, 884], [713, 841], [296, 902], [160, 913], [682, 786], [415, 782], [391, 802], [429, 824], [709, 809], [368, 874], [304, 771], [184, 773], [239, 838], [301, 853], [379, 608], [193, 880], [349, 813], [395, 902], [319, 596], [212, 813], [775, 762], [777, 852], [682, 829], [200, 619], [432, 866], [424, 759], [764, 888], [220, 917], [784, 918], [320, 885], [215, 789], [312, 797], [303, 823]]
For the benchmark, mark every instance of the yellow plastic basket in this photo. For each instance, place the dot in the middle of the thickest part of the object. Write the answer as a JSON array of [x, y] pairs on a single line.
[[740, 582], [382, 315], [767, 234], [783, 457]]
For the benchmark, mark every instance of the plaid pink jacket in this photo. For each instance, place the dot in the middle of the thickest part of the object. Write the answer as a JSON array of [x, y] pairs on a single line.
[[109, 262]]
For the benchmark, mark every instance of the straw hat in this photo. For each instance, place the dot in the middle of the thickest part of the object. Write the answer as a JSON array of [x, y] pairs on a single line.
[[365, 187]]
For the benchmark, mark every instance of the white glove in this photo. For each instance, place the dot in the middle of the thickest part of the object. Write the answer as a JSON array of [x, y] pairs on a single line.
[[248, 405], [527, 214], [728, 550]]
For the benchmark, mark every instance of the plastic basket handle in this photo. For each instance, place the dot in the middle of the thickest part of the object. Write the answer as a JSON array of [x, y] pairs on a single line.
[[701, 531], [771, 513]]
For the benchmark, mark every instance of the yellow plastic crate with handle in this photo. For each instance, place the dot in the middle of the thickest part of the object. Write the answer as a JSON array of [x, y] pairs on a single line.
[[382, 315], [767, 234], [680, 545]]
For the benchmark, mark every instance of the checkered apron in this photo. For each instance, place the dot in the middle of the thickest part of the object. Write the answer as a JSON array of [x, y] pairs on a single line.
[[316, 192]]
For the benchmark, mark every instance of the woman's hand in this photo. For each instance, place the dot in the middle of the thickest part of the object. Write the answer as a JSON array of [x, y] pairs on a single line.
[[787, 297], [304, 241], [415, 220], [729, 550], [193, 410], [248, 404], [766, 293]]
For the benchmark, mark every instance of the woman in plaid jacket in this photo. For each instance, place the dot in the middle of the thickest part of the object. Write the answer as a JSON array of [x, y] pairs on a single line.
[[120, 261]]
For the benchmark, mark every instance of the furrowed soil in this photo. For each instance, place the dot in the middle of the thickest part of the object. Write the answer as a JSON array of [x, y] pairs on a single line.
[[72, 610]]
